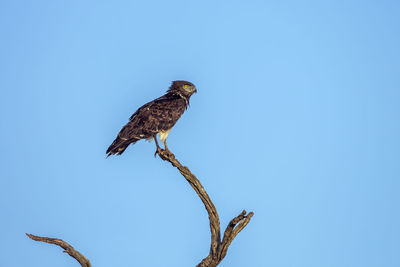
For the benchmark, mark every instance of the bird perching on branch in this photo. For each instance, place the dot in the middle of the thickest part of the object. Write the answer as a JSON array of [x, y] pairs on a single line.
[[155, 117]]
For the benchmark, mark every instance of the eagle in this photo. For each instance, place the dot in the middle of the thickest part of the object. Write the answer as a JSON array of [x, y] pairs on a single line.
[[155, 117]]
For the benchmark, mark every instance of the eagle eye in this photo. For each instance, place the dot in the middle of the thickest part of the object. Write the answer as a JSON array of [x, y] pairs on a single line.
[[186, 86]]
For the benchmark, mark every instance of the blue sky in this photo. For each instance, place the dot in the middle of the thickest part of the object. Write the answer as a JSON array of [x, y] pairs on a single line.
[[296, 118]]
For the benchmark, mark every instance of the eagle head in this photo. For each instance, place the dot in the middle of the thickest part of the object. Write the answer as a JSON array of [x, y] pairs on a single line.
[[183, 88]]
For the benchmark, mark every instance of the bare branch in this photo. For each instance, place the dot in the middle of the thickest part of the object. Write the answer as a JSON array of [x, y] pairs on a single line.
[[67, 248], [195, 183], [232, 230], [218, 249]]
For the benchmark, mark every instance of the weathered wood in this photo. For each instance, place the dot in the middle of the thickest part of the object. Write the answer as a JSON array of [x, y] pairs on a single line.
[[218, 248], [67, 248]]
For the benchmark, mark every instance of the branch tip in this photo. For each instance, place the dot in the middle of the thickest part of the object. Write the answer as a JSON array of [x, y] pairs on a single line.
[[67, 248]]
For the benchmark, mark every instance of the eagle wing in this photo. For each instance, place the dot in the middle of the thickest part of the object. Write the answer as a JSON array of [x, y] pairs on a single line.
[[159, 115]]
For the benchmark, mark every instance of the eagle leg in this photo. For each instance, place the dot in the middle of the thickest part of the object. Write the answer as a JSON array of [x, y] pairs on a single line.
[[166, 150], [165, 146], [159, 149], [162, 152]]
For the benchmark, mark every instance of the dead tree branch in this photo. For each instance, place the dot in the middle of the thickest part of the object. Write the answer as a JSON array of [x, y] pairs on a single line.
[[67, 248], [218, 248]]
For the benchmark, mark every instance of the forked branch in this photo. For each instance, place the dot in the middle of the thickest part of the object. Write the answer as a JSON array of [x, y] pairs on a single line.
[[218, 248], [67, 248]]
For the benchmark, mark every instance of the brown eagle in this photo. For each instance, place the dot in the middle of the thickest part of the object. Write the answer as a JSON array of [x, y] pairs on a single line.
[[155, 117]]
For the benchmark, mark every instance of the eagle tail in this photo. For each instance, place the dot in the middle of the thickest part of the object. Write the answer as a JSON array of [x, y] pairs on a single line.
[[119, 145]]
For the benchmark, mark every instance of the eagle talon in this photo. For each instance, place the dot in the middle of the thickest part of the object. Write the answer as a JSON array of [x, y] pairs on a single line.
[[159, 151], [164, 153], [168, 152]]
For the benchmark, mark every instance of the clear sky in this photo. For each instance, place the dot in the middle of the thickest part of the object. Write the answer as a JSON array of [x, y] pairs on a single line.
[[296, 118]]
